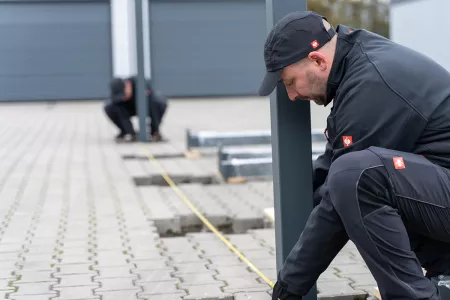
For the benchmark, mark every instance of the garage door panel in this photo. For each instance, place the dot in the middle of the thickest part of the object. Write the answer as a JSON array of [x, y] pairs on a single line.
[[50, 87], [56, 37], [55, 50], [81, 62], [54, 12], [206, 48]]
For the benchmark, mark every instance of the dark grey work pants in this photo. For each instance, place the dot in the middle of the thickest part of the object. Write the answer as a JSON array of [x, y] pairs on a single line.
[[399, 219]]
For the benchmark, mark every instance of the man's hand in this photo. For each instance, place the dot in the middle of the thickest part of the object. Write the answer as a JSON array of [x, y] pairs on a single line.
[[281, 294]]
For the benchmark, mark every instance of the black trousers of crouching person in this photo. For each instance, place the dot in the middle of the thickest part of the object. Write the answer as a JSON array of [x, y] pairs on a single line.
[[398, 218]]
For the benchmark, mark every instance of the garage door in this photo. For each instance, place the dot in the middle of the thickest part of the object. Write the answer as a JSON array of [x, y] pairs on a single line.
[[207, 47], [51, 50]]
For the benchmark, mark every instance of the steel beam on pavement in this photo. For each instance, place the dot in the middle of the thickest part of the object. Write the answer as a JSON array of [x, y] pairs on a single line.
[[243, 152], [142, 105], [291, 147], [208, 139], [248, 167]]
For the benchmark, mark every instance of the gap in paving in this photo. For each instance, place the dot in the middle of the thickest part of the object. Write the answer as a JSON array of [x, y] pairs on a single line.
[[158, 180], [163, 156], [201, 228], [156, 156]]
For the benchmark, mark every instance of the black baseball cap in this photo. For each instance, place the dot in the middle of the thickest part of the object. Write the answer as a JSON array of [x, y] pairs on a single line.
[[290, 40]]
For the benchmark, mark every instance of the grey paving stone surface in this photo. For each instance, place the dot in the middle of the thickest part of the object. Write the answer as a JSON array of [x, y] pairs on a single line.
[[73, 225]]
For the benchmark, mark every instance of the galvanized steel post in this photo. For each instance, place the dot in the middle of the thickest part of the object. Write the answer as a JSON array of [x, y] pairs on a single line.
[[141, 97], [291, 152]]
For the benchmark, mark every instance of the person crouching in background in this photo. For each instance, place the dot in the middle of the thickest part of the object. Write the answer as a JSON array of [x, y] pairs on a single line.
[[121, 106]]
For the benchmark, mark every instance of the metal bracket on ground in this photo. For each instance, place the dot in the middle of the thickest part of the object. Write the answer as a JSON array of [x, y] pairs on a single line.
[[208, 139]]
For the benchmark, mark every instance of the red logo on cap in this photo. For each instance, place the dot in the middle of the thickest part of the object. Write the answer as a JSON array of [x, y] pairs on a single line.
[[315, 44]]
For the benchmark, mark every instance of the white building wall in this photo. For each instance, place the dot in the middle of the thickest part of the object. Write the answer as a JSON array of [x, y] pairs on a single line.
[[124, 38], [423, 25]]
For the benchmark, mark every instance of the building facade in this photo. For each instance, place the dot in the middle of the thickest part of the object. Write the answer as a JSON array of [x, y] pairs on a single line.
[[422, 25], [69, 49]]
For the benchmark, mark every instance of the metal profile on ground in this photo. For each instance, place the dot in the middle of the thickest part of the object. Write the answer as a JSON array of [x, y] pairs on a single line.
[[208, 139], [239, 152], [239, 164]]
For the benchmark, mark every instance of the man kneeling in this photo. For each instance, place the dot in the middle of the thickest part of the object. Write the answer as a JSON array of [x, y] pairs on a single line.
[[121, 106]]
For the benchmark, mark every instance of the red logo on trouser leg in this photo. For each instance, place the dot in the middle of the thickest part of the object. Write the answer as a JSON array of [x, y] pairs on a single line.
[[398, 163]]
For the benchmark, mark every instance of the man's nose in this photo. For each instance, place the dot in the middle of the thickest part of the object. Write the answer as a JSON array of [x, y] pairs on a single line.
[[292, 94]]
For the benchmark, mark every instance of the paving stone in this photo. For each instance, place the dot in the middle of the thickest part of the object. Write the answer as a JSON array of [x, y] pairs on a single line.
[[153, 275], [257, 254], [185, 257], [211, 249], [63, 269], [31, 297], [161, 287], [7, 273], [361, 279], [151, 264], [110, 258], [9, 256], [115, 272], [338, 290], [4, 247], [340, 260], [145, 254], [264, 263], [116, 284], [76, 293], [351, 269], [176, 244], [35, 276], [190, 268], [208, 292], [244, 284], [33, 288], [224, 261], [369, 289], [76, 280], [75, 251], [74, 259], [7, 265], [252, 296], [6, 285], [244, 242], [197, 279], [176, 296], [328, 275], [232, 271], [78, 243], [243, 221], [119, 295], [38, 266]]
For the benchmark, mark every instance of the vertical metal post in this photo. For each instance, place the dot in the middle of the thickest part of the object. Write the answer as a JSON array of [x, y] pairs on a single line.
[[291, 151], [141, 97]]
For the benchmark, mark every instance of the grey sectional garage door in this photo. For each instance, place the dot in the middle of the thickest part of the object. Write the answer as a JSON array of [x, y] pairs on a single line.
[[207, 47], [51, 50]]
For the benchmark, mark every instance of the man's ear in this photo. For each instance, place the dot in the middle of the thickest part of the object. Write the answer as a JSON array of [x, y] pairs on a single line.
[[318, 59]]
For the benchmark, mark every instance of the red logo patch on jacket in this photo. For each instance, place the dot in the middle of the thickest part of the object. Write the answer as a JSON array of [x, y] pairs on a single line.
[[347, 140]]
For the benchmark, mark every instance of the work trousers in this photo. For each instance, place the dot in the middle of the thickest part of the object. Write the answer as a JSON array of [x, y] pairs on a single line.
[[394, 207], [121, 115]]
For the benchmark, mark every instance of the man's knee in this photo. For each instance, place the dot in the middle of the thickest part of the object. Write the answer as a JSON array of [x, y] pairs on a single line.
[[109, 108], [358, 183]]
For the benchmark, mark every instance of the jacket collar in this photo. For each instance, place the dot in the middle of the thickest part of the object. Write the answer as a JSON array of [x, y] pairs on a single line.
[[339, 66]]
